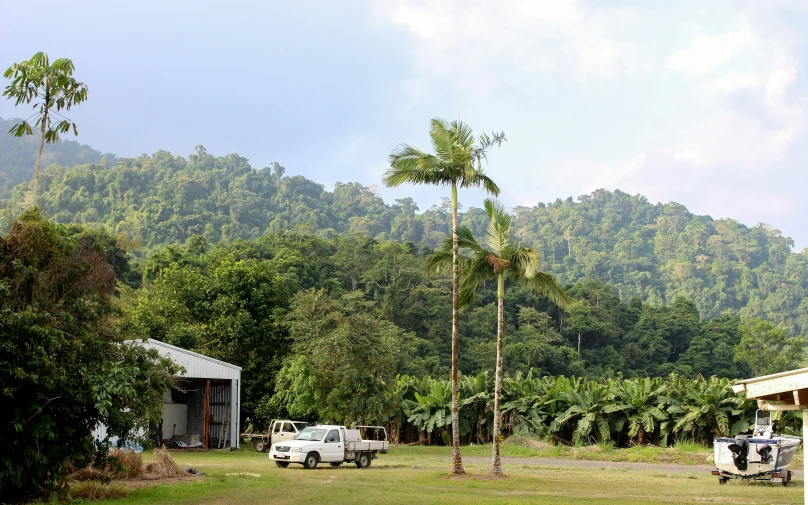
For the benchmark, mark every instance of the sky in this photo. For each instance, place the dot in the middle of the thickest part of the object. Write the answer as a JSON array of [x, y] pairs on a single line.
[[702, 103]]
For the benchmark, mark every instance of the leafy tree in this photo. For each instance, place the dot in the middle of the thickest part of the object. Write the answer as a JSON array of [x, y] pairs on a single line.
[[52, 87], [63, 365], [712, 351], [767, 349], [457, 162], [343, 361], [497, 258], [227, 308]]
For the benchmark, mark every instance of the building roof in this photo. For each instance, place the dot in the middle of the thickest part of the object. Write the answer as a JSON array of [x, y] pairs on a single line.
[[787, 387], [197, 366]]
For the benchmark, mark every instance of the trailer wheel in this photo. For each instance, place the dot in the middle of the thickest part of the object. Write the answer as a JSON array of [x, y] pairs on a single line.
[[311, 461], [281, 464], [336, 464], [723, 480], [259, 445], [787, 478], [363, 461]]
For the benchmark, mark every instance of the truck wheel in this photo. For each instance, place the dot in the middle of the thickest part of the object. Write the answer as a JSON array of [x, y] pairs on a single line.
[[259, 445], [336, 464], [311, 461], [281, 464], [363, 461]]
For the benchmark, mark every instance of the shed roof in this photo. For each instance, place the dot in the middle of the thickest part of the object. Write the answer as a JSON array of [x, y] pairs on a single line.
[[197, 366], [787, 387]]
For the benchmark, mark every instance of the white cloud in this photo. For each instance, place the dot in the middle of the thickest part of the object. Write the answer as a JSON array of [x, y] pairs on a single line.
[[479, 45], [708, 52], [757, 118]]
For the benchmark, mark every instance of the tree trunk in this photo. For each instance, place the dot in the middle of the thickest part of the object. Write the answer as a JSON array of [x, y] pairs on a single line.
[[38, 160], [457, 462], [579, 343], [496, 465]]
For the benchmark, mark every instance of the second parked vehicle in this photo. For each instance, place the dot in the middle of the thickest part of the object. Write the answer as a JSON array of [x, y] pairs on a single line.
[[279, 430]]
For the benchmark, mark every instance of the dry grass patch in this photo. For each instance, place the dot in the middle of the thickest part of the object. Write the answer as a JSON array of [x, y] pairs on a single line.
[[532, 443], [163, 466], [128, 465], [93, 490]]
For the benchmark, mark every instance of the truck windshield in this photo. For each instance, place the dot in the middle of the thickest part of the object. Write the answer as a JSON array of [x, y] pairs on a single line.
[[311, 434]]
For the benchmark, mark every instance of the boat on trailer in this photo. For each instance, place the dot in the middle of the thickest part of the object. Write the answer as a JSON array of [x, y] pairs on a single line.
[[760, 456]]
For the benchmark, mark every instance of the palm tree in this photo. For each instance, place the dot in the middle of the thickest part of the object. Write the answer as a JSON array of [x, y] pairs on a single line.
[[497, 258], [457, 162], [52, 88]]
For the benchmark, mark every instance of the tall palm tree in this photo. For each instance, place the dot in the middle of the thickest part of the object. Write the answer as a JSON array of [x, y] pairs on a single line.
[[51, 87], [497, 258], [457, 162]]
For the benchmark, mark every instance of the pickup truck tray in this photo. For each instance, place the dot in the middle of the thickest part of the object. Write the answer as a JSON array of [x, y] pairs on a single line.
[[368, 445]]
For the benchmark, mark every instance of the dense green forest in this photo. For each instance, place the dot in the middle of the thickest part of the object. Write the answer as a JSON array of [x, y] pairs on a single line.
[[656, 252], [209, 297], [351, 329], [18, 156]]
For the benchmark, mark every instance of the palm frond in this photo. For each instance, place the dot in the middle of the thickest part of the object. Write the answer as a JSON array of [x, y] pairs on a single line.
[[486, 142], [439, 262], [475, 272], [408, 167], [499, 224], [544, 284], [525, 261], [463, 135], [442, 140], [466, 240]]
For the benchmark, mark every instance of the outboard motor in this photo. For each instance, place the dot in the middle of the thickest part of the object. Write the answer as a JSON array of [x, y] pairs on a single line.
[[765, 454], [740, 451]]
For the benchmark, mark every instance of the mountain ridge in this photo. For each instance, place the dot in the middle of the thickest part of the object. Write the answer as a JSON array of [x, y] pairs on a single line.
[[652, 251]]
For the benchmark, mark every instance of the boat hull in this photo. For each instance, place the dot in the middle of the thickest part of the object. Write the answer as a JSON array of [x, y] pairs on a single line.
[[765, 456]]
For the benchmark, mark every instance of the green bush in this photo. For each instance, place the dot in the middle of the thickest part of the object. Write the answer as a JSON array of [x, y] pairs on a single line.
[[63, 366]]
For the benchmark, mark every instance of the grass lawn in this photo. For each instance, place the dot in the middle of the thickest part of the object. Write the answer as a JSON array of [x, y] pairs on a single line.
[[418, 475]]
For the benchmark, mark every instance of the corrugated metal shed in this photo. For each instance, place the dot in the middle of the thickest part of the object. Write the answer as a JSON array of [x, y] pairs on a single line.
[[197, 366], [216, 395]]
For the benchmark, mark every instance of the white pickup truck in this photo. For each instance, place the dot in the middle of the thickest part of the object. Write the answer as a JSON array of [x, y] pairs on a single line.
[[331, 444]]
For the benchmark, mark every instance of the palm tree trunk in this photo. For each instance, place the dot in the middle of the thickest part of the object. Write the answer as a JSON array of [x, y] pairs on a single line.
[[457, 462], [496, 465], [38, 161]]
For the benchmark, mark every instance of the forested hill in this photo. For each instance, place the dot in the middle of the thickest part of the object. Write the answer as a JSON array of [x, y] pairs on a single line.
[[18, 156], [653, 251]]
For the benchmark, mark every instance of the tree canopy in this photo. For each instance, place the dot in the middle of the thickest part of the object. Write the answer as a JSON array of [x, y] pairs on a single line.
[[655, 252]]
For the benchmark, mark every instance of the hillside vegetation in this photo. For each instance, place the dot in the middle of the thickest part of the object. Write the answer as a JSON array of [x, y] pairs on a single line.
[[653, 251], [18, 156]]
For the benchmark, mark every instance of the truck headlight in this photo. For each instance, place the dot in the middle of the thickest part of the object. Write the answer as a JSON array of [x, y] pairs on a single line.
[[296, 449]]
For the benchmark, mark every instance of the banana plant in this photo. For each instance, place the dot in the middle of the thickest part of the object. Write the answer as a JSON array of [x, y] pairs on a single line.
[[706, 408], [644, 401], [475, 407], [590, 406]]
